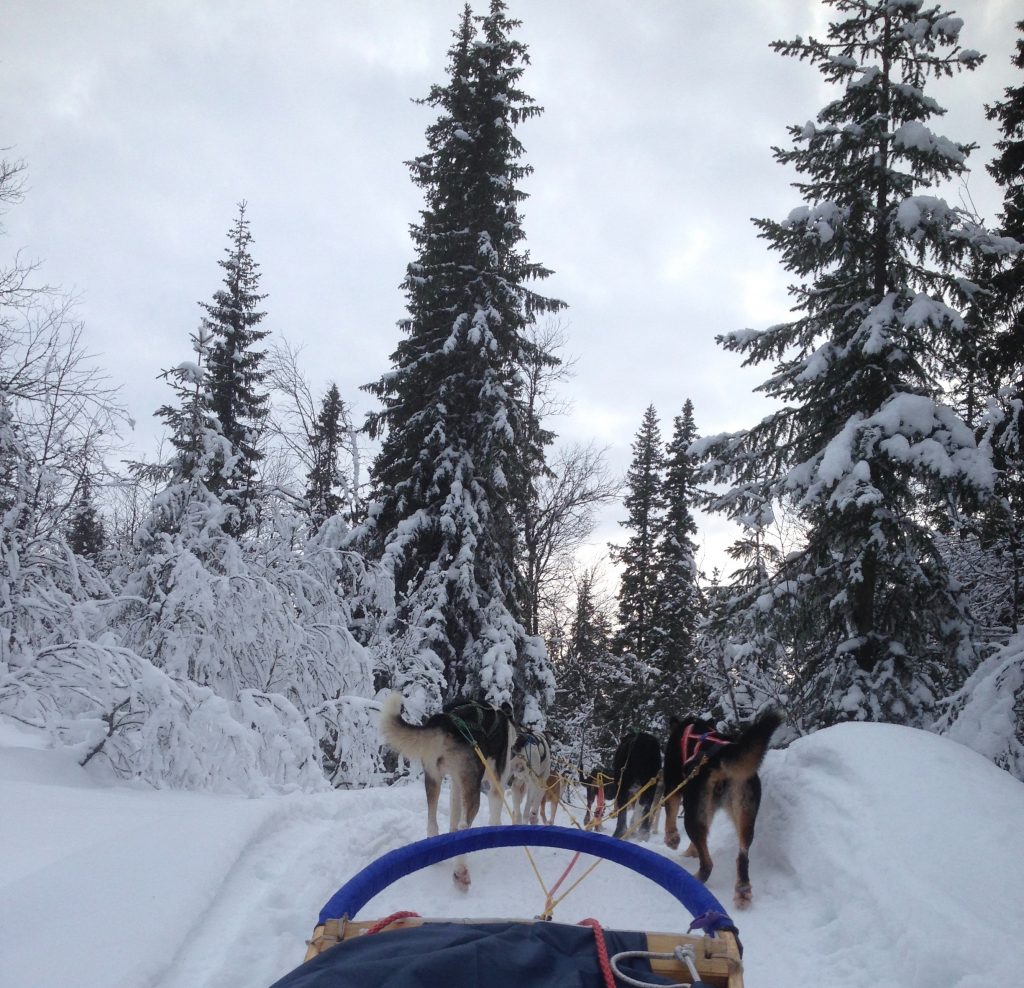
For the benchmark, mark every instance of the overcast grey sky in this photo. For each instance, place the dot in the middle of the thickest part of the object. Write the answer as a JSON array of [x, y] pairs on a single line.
[[143, 123]]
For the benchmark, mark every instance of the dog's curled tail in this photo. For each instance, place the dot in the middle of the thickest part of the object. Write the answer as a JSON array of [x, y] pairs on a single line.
[[407, 739], [747, 753]]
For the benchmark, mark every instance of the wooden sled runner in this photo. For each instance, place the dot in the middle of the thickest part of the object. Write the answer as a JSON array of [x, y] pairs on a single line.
[[407, 949]]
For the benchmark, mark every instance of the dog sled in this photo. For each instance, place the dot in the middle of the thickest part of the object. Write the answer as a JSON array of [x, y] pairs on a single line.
[[407, 951]]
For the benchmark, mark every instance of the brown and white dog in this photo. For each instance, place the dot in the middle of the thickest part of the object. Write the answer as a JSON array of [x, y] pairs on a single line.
[[552, 799], [716, 771], [531, 766], [444, 744]]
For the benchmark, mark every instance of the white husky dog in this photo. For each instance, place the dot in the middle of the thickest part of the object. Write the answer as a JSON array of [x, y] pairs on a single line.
[[531, 766]]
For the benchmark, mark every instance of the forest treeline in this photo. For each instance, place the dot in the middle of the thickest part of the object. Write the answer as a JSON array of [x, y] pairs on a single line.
[[225, 614]]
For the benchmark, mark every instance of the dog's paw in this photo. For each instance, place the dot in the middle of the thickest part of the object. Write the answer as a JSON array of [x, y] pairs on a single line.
[[460, 876], [743, 897], [690, 852], [671, 840]]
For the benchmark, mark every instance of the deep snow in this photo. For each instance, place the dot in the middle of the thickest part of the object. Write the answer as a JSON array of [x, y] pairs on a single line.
[[884, 856]]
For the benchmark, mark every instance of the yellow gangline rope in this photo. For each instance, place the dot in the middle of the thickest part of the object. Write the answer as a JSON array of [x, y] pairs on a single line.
[[550, 903], [501, 790], [553, 903]]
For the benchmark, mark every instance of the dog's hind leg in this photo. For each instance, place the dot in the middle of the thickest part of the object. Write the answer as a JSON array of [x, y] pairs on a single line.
[[743, 810], [432, 784], [548, 803], [455, 806], [671, 820], [697, 812], [468, 784], [533, 801], [518, 793], [465, 794], [495, 797], [621, 798], [646, 810]]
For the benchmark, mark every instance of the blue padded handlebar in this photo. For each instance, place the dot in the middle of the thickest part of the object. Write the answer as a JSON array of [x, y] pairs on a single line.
[[379, 874]]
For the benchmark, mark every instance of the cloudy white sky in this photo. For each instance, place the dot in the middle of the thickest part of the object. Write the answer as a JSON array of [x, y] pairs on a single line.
[[143, 123]]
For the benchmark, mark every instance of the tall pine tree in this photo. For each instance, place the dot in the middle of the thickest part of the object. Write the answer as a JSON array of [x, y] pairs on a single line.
[[589, 703], [988, 712], [861, 445], [455, 460], [86, 534], [238, 398], [325, 490], [678, 599], [638, 584], [1006, 307]]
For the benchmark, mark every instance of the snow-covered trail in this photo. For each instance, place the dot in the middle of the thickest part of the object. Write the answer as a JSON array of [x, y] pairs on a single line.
[[883, 856], [254, 927], [267, 903]]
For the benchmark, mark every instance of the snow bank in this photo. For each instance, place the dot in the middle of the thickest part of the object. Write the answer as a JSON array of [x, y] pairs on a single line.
[[893, 853]]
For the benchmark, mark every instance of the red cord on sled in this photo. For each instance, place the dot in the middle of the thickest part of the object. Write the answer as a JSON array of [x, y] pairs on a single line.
[[383, 924], [602, 951]]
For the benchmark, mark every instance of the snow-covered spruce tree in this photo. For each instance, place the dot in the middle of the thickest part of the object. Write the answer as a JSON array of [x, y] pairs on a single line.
[[187, 538], [987, 713], [754, 642], [589, 710], [742, 659], [86, 534], [250, 636], [1005, 418], [638, 580], [1007, 168], [326, 488], [678, 605], [454, 463], [238, 398], [862, 446]]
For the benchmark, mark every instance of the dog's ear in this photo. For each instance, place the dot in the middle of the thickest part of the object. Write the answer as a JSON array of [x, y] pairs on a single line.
[[674, 722], [506, 709]]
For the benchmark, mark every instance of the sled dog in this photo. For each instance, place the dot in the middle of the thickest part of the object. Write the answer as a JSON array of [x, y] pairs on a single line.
[[446, 745], [716, 771], [637, 762], [599, 788], [531, 766], [552, 799]]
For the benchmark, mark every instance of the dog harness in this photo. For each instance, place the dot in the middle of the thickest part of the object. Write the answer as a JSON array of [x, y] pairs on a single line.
[[475, 720], [526, 738], [692, 743]]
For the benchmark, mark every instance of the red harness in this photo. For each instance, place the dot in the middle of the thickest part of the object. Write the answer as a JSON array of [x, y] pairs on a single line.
[[691, 744]]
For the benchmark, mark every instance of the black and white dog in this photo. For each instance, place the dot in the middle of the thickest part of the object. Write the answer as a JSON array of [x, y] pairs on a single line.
[[637, 763], [447, 745]]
